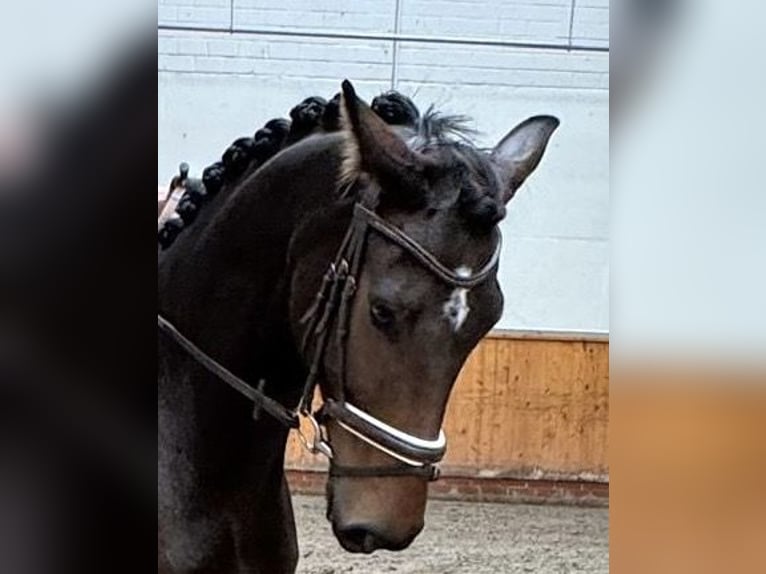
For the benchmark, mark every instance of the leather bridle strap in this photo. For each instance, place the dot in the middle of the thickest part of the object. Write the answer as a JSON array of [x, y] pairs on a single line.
[[425, 257], [275, 409], [428, 471], [411, 450]]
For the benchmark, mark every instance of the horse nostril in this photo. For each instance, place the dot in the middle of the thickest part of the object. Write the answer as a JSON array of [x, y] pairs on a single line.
[[359, 539]]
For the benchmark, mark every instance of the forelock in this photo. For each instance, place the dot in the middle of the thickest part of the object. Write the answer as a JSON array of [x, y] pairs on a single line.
[[479, 198]]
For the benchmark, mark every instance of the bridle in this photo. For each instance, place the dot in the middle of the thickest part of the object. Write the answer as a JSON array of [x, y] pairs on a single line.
[[330, 310]]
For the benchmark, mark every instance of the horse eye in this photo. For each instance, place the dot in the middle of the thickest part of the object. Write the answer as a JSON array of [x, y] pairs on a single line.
[[382, 316]]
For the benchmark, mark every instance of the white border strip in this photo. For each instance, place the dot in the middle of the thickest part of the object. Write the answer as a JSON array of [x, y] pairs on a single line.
[[439, 443]]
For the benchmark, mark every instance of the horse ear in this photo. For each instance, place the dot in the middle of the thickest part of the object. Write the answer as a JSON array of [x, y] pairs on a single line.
[[372, 147], [518, 153]]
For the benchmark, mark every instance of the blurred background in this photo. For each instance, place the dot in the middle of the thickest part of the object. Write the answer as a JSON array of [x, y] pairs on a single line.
[[77, 414], [688, 270]]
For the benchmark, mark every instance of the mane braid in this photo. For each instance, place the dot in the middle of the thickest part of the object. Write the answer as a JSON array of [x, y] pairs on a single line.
[[312, 115], [241, 158]]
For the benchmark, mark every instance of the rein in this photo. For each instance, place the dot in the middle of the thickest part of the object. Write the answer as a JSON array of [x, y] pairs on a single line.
[[280, 413], [332, 306]]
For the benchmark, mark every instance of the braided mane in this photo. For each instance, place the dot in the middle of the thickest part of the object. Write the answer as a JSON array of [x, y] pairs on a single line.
[[317, 115]]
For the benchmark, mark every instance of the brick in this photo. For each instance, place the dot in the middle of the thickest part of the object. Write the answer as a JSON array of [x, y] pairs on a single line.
[[576, 493], [510, 20], [192, 46], [175, 63], [167, 45], [167, 14], [338, 16], [591, 25], [223, 65], [222, 47]]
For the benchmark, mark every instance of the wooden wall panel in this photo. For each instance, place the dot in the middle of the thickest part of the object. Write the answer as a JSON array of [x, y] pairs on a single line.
[[524, 406], [531, 408]]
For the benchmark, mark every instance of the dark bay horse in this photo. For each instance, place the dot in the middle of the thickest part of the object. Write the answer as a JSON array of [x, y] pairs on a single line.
[[407, 215]]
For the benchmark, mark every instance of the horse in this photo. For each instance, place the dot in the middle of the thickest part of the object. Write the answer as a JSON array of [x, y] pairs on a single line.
[[360, 260]]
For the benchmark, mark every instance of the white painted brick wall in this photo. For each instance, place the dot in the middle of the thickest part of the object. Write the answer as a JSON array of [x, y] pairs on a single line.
[[521, 19], [476, 65], [591, 23], [346, 15], [194, 12], [215, 87]]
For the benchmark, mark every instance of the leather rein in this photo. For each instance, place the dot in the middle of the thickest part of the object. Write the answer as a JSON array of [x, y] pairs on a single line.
[[332, 307]]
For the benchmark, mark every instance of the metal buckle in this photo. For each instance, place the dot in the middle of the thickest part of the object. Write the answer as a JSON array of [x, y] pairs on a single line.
[[317, 443]]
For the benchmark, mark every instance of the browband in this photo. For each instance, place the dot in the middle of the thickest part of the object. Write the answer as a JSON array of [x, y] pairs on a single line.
[[404, 241]]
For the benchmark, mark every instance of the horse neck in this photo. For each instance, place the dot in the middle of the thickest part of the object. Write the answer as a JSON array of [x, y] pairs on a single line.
[[225, 282]]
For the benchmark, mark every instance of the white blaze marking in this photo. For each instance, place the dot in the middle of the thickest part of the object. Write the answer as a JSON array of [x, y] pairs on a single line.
[[456, 308]]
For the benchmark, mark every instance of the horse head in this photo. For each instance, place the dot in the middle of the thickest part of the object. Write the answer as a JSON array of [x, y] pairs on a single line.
[[423, 293]]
